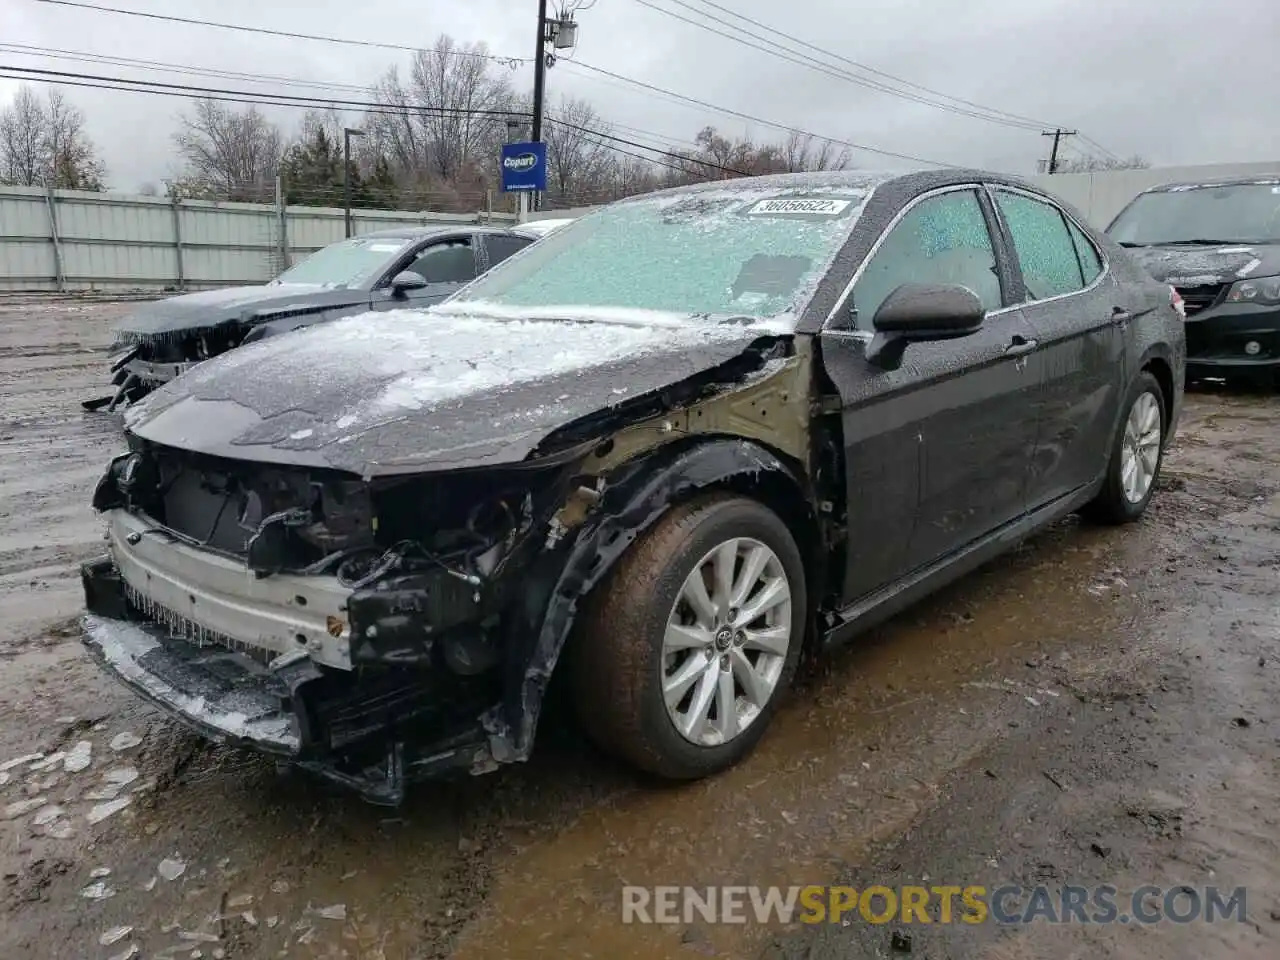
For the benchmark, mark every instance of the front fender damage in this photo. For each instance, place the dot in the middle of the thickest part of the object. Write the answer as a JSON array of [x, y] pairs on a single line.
[[752, 428], [637, 496], [457, 591]]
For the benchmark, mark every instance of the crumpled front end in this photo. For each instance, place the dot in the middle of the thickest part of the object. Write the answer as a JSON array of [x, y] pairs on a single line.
[[142, 363], [292, 613], [393, 626]]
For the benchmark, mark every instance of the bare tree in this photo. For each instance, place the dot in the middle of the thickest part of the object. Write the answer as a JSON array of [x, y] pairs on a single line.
[[440, 131], [22, 139], [803, 151], [71, 156], [45, 144], [1099, 164], [580, 165], [236, 153]]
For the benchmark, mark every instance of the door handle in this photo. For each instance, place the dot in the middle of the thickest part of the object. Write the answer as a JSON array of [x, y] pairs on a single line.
[[1020, 345], [1120, 315]]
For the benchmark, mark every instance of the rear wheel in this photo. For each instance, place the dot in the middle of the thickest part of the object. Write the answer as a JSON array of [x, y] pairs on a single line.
[[1136, 455], [687, 650]]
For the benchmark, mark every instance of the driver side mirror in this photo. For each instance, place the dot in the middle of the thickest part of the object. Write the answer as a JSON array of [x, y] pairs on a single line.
[[917, 312], [407, 280]]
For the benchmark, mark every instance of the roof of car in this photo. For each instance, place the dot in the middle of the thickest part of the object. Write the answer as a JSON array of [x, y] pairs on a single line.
[[846, 179], [419, 233], [1181, 185]]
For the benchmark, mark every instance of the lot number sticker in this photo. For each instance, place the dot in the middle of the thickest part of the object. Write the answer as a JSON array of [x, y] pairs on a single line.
[[826, 208]]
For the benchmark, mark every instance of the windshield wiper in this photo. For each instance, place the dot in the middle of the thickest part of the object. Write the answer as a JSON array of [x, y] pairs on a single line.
[[1198, 242]]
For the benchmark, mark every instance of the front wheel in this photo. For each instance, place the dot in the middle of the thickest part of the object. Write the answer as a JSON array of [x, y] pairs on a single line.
[[1136, 455], [687, 650]]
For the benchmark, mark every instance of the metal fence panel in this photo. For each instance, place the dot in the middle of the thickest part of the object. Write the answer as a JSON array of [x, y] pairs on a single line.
[[115, 242]]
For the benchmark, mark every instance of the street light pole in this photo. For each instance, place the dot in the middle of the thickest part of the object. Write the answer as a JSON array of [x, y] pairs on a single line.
[[347, 134]]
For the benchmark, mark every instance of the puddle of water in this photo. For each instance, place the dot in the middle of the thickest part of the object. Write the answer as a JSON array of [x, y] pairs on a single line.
[[851, 760]]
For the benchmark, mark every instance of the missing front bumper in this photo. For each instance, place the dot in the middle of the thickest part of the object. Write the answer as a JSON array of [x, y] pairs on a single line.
[[370, 734], [226, 696]]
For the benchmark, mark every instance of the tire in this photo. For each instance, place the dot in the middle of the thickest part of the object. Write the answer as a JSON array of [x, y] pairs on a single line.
[[621, 661], [1115, 503]]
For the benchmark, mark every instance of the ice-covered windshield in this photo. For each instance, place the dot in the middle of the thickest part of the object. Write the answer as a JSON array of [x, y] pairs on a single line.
[[347, 263], [1234, 213], [715, 253]]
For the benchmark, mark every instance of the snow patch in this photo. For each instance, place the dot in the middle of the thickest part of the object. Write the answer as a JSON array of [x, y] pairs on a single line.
[[122, 644], [19, 761], [79, 757], [125, 741], [109, 809], [171, 868], [20, 807]]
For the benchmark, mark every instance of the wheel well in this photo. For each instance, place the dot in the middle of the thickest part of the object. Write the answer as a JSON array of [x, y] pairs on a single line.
[[1160, 369], [793, 506]]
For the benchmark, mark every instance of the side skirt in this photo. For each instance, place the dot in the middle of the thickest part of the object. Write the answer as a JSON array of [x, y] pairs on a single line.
[[887, 601]]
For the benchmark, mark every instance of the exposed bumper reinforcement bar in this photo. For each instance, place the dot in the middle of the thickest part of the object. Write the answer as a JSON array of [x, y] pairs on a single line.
[[231, 698]]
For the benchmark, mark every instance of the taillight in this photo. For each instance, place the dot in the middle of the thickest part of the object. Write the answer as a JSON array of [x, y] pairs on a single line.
[[1176, 301]]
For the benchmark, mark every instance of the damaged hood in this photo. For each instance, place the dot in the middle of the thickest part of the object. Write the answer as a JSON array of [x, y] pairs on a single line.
[[419, 390], [1193, 266], [193, 312]]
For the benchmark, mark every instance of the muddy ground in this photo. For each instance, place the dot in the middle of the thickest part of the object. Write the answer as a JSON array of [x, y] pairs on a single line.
[[1098, 707]]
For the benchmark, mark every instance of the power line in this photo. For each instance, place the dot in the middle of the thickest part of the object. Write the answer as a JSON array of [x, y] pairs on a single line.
[[791, 56], [161, 66], [69, 78], [862, 66], [1028, 122], [395, 46], [628, 153], [288, 100], [509, 61], [1097, 146], [644, 146], [786, 128]]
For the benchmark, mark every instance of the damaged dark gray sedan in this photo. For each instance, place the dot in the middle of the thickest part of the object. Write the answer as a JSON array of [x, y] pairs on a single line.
[[665, 450], [385, 270]]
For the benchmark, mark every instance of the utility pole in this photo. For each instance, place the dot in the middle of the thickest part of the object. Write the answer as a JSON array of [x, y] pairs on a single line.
[[347, 134], [539, 70], [1057, 135], [562, 33]]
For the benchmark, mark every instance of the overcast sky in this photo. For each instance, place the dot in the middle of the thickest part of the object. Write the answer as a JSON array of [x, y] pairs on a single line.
[[1153, 77]]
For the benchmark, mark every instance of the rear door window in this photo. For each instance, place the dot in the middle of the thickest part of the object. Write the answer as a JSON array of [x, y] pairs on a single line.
[[1046, 252], [500, 247]]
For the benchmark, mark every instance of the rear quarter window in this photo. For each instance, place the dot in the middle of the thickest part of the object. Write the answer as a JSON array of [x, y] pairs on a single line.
[[1087, 253], [1045, 249]]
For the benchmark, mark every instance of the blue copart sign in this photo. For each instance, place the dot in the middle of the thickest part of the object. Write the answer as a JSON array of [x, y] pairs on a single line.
[[524, 166]]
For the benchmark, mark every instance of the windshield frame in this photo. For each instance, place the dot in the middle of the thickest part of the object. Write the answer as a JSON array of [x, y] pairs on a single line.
[[366, 281], [1194, 233], [469, 299]]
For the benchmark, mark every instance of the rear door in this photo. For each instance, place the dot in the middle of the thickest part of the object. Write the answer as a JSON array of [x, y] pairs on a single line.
[[1078, 313], [936, 451], [496, 247]]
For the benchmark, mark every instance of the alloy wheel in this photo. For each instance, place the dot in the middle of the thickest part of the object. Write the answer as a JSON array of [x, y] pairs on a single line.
[[726, 641], [1140, 450]]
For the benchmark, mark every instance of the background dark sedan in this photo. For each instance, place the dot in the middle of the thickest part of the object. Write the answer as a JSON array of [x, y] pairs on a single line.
[[415, 266], [1218, 244]]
